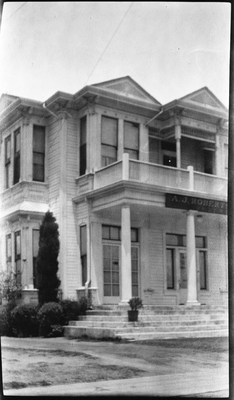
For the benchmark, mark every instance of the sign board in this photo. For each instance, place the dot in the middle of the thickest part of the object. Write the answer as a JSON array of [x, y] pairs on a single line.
[[196, 203]]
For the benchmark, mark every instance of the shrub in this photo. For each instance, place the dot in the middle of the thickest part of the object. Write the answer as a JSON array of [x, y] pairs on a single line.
[[10, 290], [24, 320], [135, 303], [6, 320], [71, 310], [50, 314], [47, 260]]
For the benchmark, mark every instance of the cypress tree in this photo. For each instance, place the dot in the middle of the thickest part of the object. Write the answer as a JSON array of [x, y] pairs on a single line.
[[47, 260]]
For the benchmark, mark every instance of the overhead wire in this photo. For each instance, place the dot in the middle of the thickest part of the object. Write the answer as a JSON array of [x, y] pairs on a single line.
[[112, 37], [15, 12]]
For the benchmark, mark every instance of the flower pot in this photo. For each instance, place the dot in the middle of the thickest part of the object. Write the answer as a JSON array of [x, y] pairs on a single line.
[[132, 315]]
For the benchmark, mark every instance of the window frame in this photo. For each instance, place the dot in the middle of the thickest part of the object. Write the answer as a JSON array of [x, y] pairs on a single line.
[[16, 171], [105, 159], [130, 150], [7, 161], [83, 146], [83, 255], [39, 153]]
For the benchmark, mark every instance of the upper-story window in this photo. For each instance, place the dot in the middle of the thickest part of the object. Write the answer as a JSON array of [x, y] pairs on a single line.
[[7, 161], [38, 153], [83, 147], [208, 161], [131, 139], [109, 140], [17, 135], [169, 153]]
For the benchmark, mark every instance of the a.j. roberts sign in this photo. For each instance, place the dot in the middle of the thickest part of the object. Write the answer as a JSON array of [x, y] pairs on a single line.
[[196, 203]]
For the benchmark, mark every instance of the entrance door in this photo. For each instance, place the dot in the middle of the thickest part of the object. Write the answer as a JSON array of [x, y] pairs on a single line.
[[111, 273], [183, 277]]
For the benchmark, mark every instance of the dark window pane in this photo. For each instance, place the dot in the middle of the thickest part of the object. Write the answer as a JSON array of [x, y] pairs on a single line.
[[39, 139], [107, 290], [169, 146], [170, 268], [203, 271]]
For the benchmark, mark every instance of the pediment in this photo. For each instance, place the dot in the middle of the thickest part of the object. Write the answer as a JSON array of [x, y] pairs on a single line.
[[127, 87], [204, 97]]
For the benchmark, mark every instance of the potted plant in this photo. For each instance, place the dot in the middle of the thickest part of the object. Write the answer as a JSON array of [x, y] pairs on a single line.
[[135, 303]]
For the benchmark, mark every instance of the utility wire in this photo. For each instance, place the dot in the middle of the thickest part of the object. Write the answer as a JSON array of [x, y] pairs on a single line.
[[15, 11], [108, 43]]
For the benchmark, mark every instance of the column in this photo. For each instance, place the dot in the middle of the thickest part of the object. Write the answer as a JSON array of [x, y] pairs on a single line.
[[191, 260], [126, 273], [63, 203], [178, 147]]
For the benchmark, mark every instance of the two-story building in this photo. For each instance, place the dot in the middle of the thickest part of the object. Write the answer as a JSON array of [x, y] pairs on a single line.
[[139, 190]]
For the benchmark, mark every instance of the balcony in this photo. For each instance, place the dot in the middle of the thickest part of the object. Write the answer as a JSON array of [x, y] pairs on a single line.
[[34, 192], [164, 177]]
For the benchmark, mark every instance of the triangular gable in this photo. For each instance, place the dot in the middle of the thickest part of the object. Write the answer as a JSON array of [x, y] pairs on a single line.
[[204, 97], [127, 87]]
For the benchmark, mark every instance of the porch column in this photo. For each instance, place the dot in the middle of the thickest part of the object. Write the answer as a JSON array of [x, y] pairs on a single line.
[[120, 140], [126, 276], [191, 260], [178, 147]]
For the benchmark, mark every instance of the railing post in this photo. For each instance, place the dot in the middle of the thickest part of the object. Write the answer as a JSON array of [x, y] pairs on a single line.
[[125, 170], [191, 177]]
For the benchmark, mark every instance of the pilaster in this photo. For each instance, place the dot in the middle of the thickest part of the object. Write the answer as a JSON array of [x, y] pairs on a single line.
[[191, 260]]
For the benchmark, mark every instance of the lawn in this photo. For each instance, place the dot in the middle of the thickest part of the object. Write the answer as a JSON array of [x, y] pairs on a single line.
[[43, 362]]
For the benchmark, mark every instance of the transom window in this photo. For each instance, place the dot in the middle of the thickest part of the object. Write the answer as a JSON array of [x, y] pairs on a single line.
[[114, 233]]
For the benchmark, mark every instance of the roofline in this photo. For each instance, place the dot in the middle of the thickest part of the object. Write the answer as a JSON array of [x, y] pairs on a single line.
[[131, 79]]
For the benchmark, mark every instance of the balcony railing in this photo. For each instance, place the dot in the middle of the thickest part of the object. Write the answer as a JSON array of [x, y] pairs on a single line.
[[153, 174]]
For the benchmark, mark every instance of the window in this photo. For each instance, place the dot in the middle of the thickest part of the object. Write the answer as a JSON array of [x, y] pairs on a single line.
[[208, 162], [170, 268], [83, 140], [203, 270], [36, 234], [38, 153], [111, 270], [176, 260], [7, 161], [169, 153], [111, 260], [16, 156], [18, 257], [83, 253], [8, 252], [109, 140], [135, 275], [131, 139], [153, 150]]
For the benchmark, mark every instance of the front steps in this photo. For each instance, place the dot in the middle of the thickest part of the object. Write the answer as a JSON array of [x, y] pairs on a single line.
[[154, 322]]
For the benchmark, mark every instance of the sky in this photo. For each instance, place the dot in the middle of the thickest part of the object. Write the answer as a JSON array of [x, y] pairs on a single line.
[[169, 48]]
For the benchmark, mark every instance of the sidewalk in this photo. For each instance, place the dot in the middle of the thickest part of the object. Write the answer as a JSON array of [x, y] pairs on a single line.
[[163, 385]]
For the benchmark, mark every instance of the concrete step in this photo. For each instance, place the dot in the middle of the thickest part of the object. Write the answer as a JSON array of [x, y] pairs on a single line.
[[153, 317], [99, 333], [156, 324]]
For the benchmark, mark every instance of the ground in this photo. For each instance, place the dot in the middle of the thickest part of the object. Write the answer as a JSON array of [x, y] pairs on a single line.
[[43, 362]]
